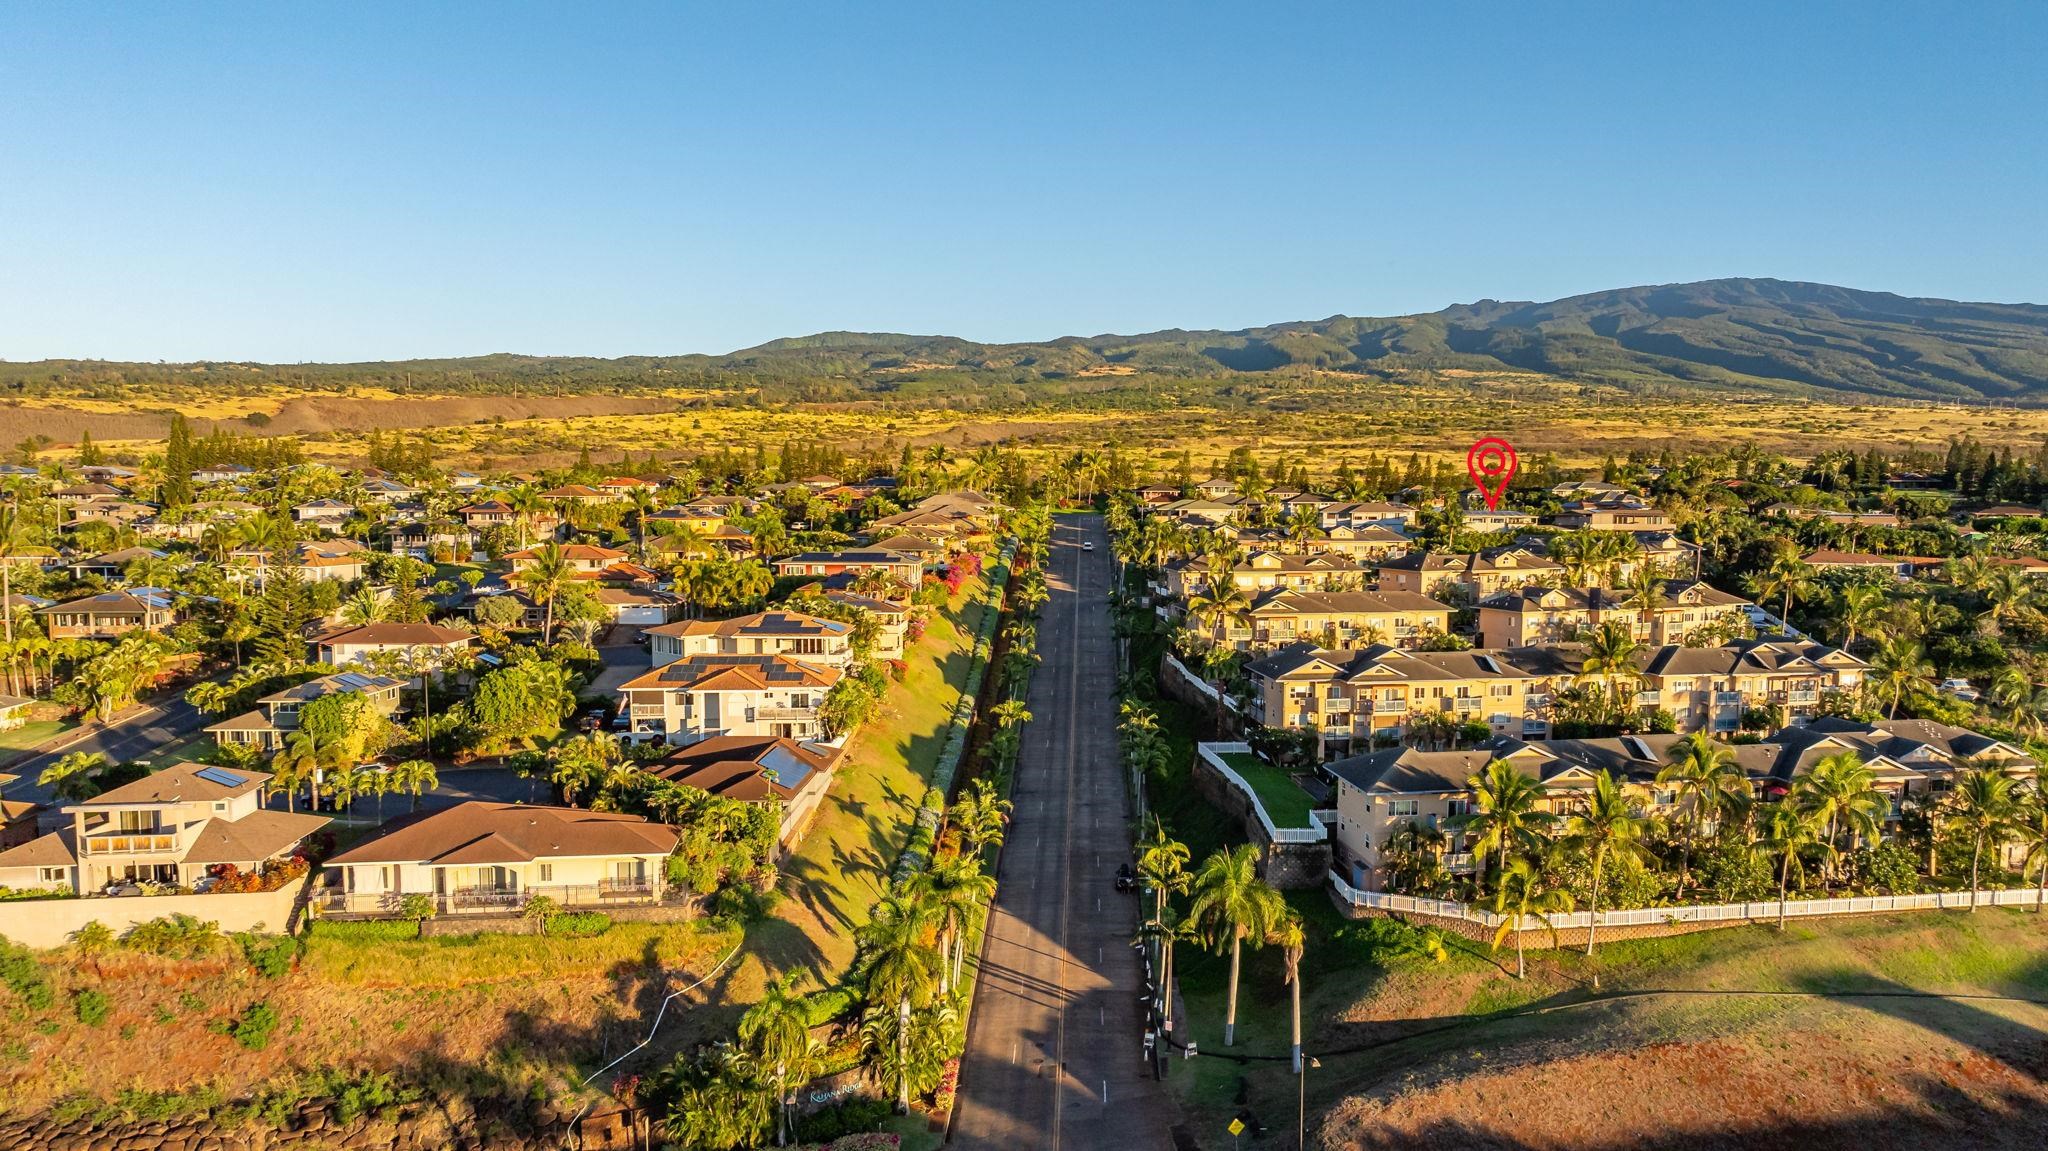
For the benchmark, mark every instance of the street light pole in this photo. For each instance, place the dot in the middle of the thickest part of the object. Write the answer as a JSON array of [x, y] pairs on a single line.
[[1301, 1102]]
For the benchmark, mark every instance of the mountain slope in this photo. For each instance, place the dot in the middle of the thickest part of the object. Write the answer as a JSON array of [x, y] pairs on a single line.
[[1735, 334]]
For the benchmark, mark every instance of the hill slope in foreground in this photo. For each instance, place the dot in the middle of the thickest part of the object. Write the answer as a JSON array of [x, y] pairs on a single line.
[[1696, 1067], [1731, 334]]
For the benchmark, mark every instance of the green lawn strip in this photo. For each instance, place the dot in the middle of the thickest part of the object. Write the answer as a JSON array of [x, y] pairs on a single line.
[[1286, 804], [839, 870], [31, 734]]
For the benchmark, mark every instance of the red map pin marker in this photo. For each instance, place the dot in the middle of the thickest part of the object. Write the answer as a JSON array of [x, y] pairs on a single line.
[[1491, 464]]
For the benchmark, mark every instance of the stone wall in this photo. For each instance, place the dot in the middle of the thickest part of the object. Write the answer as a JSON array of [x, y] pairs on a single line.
[[46, 923]]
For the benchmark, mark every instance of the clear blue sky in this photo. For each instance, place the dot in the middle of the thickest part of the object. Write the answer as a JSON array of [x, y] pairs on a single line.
[[369, 181]]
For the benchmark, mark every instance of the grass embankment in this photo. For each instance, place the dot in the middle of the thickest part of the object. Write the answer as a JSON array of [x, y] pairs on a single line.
[[452, 961], [1286, 804], [29, 735], [843, 864], [1405, 1042]]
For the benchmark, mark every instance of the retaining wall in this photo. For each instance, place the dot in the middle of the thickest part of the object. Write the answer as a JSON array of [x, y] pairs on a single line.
[[46, 923]]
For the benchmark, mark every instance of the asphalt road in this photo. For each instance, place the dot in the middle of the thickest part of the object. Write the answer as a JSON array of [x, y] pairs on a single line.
[[141, 735], [1054, 1048]]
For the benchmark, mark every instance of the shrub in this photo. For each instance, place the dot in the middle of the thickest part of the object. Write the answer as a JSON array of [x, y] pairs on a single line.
[[578, 924], [24, 976], [853, 1117], [416, 906], [253, 1026], [1889, 867], [270, 954], [91, 1006], [177, 936]]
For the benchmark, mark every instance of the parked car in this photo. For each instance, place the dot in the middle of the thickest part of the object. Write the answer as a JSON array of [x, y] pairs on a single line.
[[1960, 689]]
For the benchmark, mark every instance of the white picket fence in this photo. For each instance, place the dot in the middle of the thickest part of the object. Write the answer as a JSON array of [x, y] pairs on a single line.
[[1212, 754], [1695, 913]]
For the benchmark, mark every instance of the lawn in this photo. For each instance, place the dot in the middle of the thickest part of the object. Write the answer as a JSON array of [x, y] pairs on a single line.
[[30, 734], [1286, 804]]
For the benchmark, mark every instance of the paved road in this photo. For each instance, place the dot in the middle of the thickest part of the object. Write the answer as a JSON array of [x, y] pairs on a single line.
[[1054, 1056], [140, 735]]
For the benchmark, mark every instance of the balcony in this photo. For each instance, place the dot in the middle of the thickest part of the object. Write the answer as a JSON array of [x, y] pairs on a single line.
[[785, 713], [161, 841], [1467, 703], [1727, 699], [649, 711], [1803, 697], [1383, 706], [1460, 861], [1648, 699]]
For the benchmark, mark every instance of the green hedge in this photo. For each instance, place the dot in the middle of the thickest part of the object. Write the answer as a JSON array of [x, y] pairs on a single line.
[[366, 930]]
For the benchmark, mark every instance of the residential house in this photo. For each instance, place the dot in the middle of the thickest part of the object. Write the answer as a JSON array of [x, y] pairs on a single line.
[[585, 561], [1467, 577], [1366, 514], [697, 697], [1344, 618], [1898, 567], [909, 569], [1354, 698], [826, 642], [14, 711], [323, 513], [637, 606], [894, 618], [112, 565], [177, 826], [422, 644], [314, 561], [1623, 514], [78, 494], [1708, 688], [276, 715], [756, 769], [1529, 616], [111, 614], [120, 512], [492, 857]]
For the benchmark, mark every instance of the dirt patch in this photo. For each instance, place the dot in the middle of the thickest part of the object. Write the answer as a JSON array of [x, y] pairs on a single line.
[[324, 413]]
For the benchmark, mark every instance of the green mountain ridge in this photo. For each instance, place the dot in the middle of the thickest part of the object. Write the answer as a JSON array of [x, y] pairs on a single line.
[[1743, 335]]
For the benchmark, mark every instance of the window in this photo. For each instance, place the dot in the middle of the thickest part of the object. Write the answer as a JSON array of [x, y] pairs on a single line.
[[52, 874], [1459, 807], [547, 873], [1404, 807]]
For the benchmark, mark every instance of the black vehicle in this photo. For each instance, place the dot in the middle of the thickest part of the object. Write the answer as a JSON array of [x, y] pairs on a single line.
[[1126, 879]]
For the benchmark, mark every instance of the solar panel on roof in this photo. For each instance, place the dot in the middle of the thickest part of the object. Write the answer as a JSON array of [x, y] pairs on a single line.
[[221, 776], [788, 768]]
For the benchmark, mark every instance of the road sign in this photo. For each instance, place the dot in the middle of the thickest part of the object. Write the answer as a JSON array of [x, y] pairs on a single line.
[[1237, 1126]]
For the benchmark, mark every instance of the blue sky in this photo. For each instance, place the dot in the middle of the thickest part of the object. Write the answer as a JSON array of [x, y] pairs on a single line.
[[364, 182]]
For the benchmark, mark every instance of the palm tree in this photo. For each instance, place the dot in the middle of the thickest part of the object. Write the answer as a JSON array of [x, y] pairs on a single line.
[[1525, 894], [415, 777], [1786, 577], [1290, 938], [545, 577], [1611, 651], [1703, 775], [1789, 830], [980, 814], [527, 506], [1508, 813], [955, 892], [10, 537], [900, 968], [777, 1030], [2030, 831], [1897, 664], [1219, 606], [301, 759], [1166, 929], [1611, 824], [1232, 903], [1983, 807], [1841, 794], [1862, 607], [1646, 595], [1162, 865], [2023, 701], [2009, 595], [72, 778]]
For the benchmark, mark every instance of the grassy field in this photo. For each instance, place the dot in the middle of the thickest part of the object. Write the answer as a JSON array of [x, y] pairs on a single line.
[[1417, 1053], [1321, 418], [29, 735], [1286, 804]]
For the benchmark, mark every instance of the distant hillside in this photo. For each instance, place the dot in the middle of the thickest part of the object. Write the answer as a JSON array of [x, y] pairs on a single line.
[[1739, 334]]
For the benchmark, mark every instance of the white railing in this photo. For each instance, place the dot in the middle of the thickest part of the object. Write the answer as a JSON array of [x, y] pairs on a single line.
[[1212, 754], [1763, 910]]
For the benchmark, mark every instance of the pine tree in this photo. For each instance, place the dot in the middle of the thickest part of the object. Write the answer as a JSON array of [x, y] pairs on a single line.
[[177, 487], [88, 452]]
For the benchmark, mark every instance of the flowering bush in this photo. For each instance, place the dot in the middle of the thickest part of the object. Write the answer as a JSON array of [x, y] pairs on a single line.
[[971, 562], [955, 577], [949, 1086], [898, 669]]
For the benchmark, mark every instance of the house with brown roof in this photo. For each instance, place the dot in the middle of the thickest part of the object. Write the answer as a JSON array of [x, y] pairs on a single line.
[[1345, 618], [174, 827], [585, 561], [424, 643], [111, 614], [756, 769], [1264, 570], [806, 637], [894, 618], [1613, 514], [1529, 616], [1708, 688], [1472, 575], [493, 857], [1899, 567], [697, 697], [1351, 698], [906, 568]]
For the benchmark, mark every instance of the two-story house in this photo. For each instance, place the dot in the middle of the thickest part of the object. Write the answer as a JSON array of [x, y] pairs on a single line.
[[1527, 616], [1472, 575], [693, 698], [1353, 698], [908, 569], [424, 644], [111, 615], [826, 642], [1336, 619], [172, 827], [1708, 688]]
